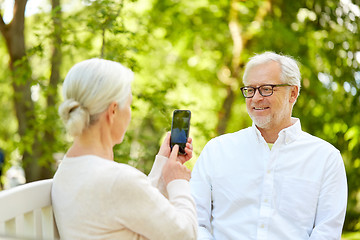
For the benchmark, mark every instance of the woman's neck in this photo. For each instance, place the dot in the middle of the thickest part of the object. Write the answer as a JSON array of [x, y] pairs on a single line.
[[93, 141]]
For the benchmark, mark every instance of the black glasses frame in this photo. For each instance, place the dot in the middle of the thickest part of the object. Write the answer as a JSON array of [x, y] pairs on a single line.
[[243, 89]]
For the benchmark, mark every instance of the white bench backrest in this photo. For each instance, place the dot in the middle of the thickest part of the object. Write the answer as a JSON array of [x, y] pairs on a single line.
[[26, 211]]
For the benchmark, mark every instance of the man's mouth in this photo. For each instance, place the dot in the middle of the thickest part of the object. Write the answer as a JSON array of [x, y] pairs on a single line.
[[260, 108]]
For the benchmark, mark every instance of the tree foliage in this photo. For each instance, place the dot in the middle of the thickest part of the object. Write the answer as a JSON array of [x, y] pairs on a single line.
[[189, 54]]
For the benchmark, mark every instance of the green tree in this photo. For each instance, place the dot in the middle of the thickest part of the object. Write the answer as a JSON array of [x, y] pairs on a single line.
[[21, 82], [190, 55], [207, 42]]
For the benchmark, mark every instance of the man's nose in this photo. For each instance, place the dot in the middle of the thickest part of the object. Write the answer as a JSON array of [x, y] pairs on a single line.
[[257, 95]]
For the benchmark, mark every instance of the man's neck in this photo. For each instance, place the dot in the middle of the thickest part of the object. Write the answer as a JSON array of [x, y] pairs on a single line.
[[271, 133]]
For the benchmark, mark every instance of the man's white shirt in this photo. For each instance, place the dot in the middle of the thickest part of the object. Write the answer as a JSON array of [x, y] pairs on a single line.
[[243, 190]]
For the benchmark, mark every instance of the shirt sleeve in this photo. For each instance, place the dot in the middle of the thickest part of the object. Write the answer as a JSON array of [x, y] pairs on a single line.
[[148, 213], [332, 202], [155, 175], [201, 191]]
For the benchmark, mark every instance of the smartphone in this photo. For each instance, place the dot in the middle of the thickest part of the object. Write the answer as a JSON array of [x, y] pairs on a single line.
[[180, 127]]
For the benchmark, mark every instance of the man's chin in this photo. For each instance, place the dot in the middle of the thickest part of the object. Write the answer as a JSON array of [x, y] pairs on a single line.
[[262, 122]]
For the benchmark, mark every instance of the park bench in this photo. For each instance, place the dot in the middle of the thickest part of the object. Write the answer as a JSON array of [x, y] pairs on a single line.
[[26, 212]]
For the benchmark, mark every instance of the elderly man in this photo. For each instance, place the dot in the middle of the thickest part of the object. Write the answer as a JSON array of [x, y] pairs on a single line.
[[271, 180]]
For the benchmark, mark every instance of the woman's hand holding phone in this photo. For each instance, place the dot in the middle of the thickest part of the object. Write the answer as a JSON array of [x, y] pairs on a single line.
[[174, 168], [165, 149]]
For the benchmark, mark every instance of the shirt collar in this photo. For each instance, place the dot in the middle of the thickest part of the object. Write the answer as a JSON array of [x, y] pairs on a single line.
[[286, 135]]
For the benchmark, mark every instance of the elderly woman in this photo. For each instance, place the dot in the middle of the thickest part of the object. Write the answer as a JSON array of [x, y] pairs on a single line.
[[95, 197]]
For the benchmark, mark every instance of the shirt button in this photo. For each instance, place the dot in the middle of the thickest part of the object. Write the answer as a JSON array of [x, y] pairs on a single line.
[[268, 171], [266, 200], [262, 225]]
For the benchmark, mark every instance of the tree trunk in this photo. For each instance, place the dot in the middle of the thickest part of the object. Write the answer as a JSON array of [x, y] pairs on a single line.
[[56, 58], [240, 39], [52, 93], [103, 43], [19, 65], [238, 45], [21, 83]]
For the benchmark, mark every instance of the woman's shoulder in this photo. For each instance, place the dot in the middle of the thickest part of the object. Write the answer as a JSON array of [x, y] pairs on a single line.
[[116, 176], [121, 170], [128, 179], [99, 168]]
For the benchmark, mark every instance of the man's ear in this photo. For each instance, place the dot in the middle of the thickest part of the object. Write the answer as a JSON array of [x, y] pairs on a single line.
[[294, 93]]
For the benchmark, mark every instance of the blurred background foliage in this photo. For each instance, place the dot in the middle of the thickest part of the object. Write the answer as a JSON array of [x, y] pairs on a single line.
[[185, 54]]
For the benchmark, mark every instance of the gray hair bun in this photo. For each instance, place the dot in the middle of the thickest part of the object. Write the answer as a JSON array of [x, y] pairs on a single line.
[[75, 117]]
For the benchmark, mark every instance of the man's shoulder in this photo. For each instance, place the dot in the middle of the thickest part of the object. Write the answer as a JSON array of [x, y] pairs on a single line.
[[230, 137], [317, 141]]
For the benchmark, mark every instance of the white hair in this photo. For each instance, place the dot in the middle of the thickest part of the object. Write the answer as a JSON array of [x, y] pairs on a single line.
[[89, 88], [290, 72]]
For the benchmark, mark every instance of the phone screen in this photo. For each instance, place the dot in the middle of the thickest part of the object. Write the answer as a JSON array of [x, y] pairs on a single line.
[[180, 128]]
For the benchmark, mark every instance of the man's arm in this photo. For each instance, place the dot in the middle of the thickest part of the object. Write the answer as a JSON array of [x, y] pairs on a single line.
[[332, 202], [201, 192]]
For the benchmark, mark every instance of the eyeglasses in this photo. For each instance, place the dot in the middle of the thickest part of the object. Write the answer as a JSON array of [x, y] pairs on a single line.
[[264, 90]]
